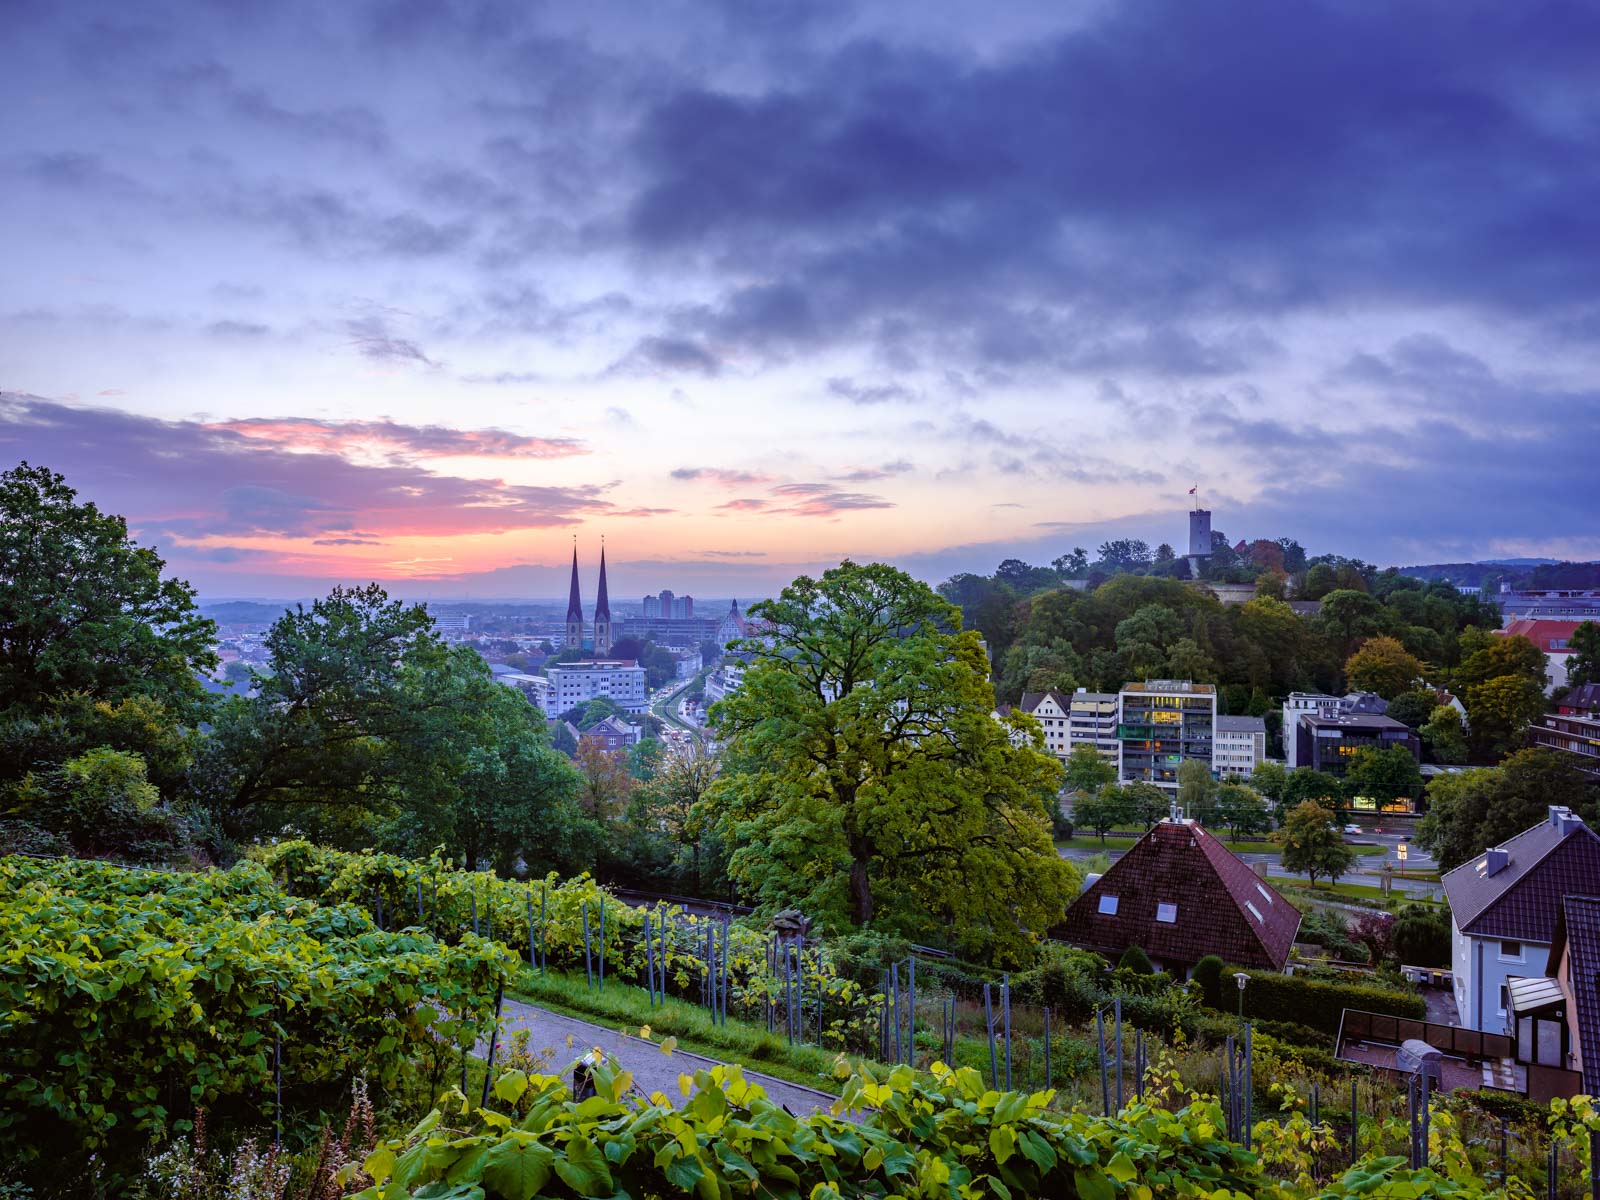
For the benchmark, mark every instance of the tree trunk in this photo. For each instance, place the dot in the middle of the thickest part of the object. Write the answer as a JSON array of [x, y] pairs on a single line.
[[860, 884]]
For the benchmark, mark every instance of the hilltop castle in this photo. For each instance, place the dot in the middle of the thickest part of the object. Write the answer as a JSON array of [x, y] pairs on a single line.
[[603, 632]]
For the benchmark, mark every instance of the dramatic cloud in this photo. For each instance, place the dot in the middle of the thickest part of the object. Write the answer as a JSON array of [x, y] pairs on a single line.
[[722, 475], [399, 442]]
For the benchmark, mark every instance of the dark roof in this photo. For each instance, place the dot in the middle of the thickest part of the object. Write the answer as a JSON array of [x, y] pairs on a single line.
[[1578, 931], [602, 601], [1558, 857], [1241, 725], [1585, 696], [1032, 700], [1350, 720], [1223, 908], [574, 599]]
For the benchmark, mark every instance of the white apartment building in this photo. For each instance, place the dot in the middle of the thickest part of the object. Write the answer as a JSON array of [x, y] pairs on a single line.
[[1050, 710], [1296, 706], [577, 683], [1238, 746], [539, 690], [1083, 718], [1162, 723]]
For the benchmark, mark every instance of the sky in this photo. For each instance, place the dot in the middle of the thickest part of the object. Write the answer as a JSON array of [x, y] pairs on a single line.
[[421, 291]]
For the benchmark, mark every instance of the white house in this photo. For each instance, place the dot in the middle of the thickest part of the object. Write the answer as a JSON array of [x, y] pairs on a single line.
[[1238, 745], [1051, 710], [1294, 707], [1503, 907]]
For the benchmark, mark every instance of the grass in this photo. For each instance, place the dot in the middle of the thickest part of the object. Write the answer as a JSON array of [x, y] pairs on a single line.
[[626, 1007], [1350, 891], [1251, 847]]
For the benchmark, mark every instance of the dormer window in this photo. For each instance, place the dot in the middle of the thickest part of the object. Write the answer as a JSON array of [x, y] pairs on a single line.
[[1108, 906]]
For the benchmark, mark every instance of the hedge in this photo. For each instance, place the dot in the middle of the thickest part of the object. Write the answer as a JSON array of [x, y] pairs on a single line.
[[1273, 997]]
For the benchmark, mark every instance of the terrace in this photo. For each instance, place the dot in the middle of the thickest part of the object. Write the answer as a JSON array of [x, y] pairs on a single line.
[[1470, 1058]]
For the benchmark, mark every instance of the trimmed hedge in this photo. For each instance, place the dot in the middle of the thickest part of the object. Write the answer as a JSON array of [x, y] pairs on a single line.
[[1273, 997]]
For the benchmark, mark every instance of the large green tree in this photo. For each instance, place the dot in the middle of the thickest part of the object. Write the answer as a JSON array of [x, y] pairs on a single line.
[[1473, 810], [1312, 844], [865, 775], [85, 611], [1383, 774], [1384, 666], [1583, 664]]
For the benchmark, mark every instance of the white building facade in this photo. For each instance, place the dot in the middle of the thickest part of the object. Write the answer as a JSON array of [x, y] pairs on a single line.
[[1298, 704], [1239, 746], [575, 683]]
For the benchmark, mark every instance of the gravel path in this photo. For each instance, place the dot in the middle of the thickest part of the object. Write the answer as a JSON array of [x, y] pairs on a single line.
[[652, 1070]]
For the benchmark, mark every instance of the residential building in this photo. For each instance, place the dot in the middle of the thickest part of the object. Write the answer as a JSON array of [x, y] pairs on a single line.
[[1162, 723], [1329, 742], [1552, 637], [1180, 895], [1364, 702], [577, 683], [539, 690], [665, 599], [687, 663], [1503, 907], [725, 680], [670, 631], [1293, 707], [1575, 953], [1239, 745], [1578, 604], [615, 734], [1092, 721], [1574, 728], [1050, 709], [451, 624]]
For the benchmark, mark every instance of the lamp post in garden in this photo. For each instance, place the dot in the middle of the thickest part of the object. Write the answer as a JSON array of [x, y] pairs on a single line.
[[1241, 978]]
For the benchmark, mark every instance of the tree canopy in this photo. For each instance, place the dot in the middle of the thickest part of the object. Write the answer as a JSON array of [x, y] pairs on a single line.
[[866, 778]]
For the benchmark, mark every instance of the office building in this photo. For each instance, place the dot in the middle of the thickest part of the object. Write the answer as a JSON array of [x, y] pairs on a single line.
[[1297, 704], [1574, 728], [575, 683], [652, 607], [1240, 745], [1329, 743], [1162, 723]]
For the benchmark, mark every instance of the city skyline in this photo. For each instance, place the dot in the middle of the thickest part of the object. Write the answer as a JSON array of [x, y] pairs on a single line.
[[415, 293]]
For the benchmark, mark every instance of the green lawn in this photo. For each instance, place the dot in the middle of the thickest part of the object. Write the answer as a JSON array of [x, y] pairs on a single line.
[[625, 1007], [1091, 842], [1350, 891]]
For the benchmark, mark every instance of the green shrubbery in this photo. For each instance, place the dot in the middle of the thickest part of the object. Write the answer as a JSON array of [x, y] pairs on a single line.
[[132, 998], [1320, 1005]]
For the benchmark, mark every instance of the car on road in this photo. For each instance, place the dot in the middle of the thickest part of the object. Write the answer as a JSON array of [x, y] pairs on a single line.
[[1352, 829]]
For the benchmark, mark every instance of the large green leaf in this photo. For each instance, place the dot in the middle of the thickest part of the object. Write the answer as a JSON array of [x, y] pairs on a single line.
[[518, 1167], [584, 1169]]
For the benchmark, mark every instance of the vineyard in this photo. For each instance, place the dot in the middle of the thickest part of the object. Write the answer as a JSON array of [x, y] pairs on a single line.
[[263, 997]]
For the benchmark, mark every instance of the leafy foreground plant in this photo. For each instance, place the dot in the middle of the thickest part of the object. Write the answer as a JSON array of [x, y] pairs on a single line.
[[943, 1136]]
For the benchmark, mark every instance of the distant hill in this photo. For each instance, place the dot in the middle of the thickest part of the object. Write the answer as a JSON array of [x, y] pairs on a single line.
[[243, 612], [1532, 573]]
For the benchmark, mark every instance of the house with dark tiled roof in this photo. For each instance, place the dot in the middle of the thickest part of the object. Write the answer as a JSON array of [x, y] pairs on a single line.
[[1180, 894], [1503, 907], [1051, 709], [1575, 956]]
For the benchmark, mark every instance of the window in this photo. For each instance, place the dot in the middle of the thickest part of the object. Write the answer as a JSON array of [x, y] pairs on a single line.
[[1167, 913], [1510, 951], [1505, 999], [1265, 895], [1108, 906], [1255, 912]]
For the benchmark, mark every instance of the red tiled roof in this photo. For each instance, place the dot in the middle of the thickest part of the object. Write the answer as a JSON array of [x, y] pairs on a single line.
[[1223, 907], [1541, 632]]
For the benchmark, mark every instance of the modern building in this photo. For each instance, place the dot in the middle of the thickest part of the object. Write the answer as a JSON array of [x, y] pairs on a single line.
[[1575, 604], [652, 607], [451, 624], [577, 683], [1180, 894], [1574, 728], [1238, 747], [1297, 704], [1161, 723], [1554, 640], [1503, 907], [665, 599], [670, 631], [725, 680], [1092, 721], [1329, 743]]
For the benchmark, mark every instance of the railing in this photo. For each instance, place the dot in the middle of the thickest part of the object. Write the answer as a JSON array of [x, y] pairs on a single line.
[[1453, 1039]]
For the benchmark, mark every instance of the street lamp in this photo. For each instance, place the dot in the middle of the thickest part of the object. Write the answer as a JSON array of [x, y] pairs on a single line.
[[1241, 979]]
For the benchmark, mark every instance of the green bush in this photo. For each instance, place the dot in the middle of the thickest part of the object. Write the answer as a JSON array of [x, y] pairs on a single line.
[[134, 997], [1208, 974], [1422, 936], [1273, 997], [1136, 960]]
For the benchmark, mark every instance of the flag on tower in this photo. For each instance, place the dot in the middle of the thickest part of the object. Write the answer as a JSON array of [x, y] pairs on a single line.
[[1194, 489]]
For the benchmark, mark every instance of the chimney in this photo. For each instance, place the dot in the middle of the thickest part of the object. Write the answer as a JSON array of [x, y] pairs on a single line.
[[1564, 819], [1494, 861]]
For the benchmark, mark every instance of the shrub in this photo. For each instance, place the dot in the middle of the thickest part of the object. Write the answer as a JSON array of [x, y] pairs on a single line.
[[1136, 960], [1273, 997], [1208, 974], [1422, 936]]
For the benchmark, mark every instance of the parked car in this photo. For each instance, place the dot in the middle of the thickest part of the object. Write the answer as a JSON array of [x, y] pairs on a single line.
[[1352, 829]]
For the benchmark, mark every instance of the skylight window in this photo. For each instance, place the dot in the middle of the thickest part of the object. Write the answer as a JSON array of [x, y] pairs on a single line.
[[1255, 912], [1265, 895], [1167, 913], [1108, 906]]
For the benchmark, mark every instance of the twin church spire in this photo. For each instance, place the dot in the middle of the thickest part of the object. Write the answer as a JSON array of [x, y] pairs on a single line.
[[603, 633]]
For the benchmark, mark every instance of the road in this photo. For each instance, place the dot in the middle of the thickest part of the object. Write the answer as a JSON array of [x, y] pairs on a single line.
[[667, 705], [561, 1039], [1366, 869]]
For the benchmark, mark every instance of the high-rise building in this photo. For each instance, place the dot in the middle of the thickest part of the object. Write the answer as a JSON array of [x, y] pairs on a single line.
[[574, 608], [602, 611], [1161, 724], [688, 608], [652, 607], [666, 599]]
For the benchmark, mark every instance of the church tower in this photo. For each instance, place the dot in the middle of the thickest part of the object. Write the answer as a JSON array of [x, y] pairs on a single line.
[[602, 611], [574, 607]]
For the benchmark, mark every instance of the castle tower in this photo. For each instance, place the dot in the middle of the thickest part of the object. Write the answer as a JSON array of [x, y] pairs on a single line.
[[574, 607], [602, 611]]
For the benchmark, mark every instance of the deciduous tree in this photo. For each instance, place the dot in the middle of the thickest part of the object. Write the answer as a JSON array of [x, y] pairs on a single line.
[[1312, 845], [866, 779], [1384, 666]]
